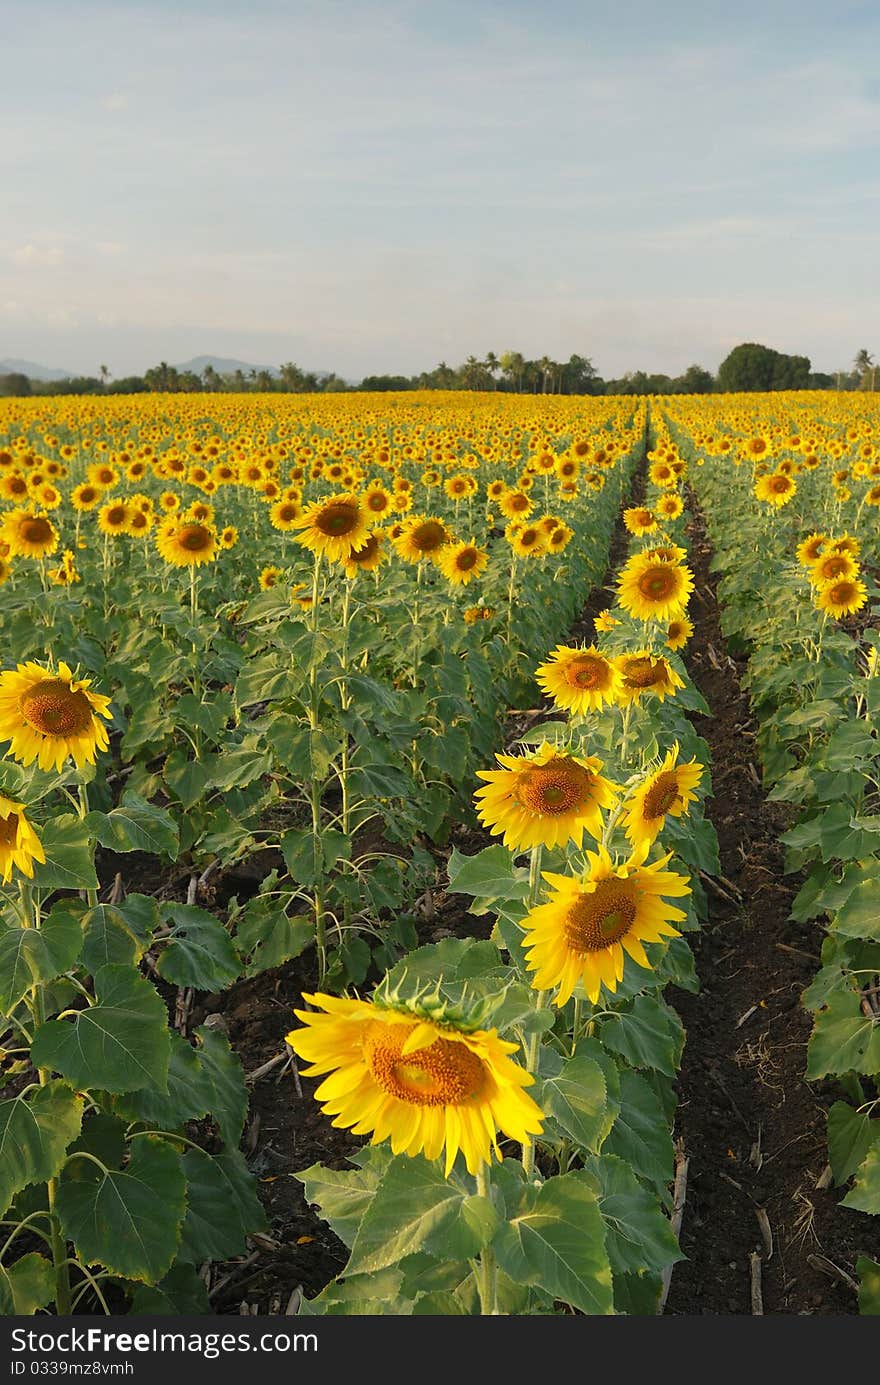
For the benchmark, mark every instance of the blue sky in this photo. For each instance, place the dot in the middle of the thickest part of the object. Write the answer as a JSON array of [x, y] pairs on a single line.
[[376, 186]]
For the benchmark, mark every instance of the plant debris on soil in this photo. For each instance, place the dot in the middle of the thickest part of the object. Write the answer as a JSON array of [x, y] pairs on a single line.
[[763, 1229]]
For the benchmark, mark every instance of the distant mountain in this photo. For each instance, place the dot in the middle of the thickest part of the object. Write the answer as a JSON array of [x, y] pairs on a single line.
[[9, 366], [223, 366]]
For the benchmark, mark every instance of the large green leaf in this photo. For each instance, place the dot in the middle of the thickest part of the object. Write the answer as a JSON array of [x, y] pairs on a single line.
[[416, 1208], [850, 1135], [489, 876], [27, 1286], [637, 1234], [32, 956], [869, 1286], [119, 1044], [136, 825], [640, 1135], [222, 1084], [181, 1290], [266, 937], [556, 1241], [68, 850], [35, 1132], [864, 1195], [186, 1098], [843, 1039], [578, 1099], [648, 1034], [200, 952], [342, 1195], [128, 1219], [222, 1206], [107, 938]]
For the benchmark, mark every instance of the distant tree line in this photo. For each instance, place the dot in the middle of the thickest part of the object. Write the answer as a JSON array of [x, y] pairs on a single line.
[[748, 367]]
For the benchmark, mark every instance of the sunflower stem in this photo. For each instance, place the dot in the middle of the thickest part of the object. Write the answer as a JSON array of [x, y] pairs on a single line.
[[316, 785], [59, 1245], [83, 793], [487, 1282]]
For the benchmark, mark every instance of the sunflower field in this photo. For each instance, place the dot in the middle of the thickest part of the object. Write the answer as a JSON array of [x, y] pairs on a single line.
[[357, 813]]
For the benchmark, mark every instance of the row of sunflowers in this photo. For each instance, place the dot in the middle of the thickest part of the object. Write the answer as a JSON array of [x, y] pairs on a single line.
[[278, 636], [792, 516]]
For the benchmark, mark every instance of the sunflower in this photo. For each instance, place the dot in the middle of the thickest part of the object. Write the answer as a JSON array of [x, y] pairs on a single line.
[[48, 715], [583, 930], [473, 614], [422, 538], [19, 844], [269, 578], [65, 574], [515, 505], [186, 543], [113, 517], [842, 597], [678, 632], [334, 527], [810, 548], [668, 789], [845, 544], [775, 488], [644, 672], [640, 520], [670, 506], [85, 496], [28, 535], [580, 680], [661, 474], [605, 621], [377, 500], [460, 562], [559, 538], [830, 566], [228, 537], [423, 1084], [652, 590], [526, 540], [548, 798], [284, 514], [369, 558]]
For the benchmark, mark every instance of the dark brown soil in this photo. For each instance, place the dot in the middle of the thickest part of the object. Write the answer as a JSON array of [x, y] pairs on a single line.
[[752, 1127]]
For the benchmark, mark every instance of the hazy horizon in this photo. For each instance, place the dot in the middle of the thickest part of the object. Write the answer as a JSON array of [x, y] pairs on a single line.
[[371, 188]]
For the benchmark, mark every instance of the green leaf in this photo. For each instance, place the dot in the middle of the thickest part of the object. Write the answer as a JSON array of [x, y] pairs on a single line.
[[27, 1286], [843, 1039], [68, 850], [342, 1195], [637, 1234], [265, 937], [869, 1286], [577, 1098], [35, 1133], [136, 825], [489, 876], [222, 1206], [303, 856], [107, 938], [187, 1097], [556, 1240], [200, 951], [416, 1208], [359, 1296], [864, 1195], [180, 1291], [648, 1034], [850, 1136], [130, 1219], [33, 956], [859, 917], [222, 1082], [640, 1135], [119, 1044]]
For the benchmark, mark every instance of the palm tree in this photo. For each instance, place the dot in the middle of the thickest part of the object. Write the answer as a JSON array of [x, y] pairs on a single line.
[[104, 374], [512, 366], [492, 364], [546, 367], [863, 363]]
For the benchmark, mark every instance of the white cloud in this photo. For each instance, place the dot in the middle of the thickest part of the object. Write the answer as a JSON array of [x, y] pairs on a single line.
[[38, 256], [116, 101]]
